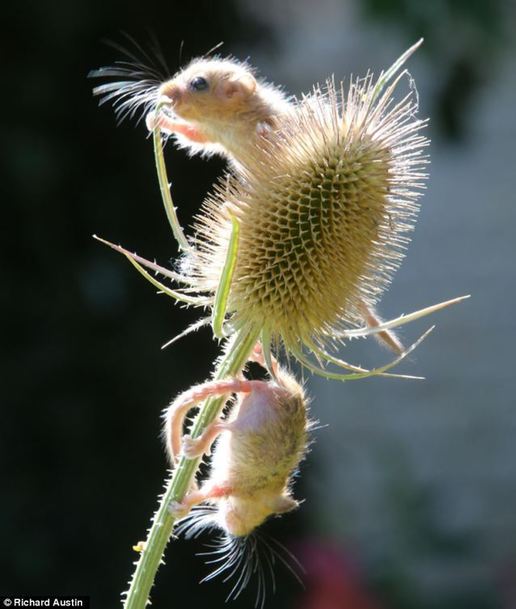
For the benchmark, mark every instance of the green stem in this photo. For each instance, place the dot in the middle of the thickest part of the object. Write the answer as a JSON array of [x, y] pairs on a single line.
[[164, 187], [224, 287], [180, 481]]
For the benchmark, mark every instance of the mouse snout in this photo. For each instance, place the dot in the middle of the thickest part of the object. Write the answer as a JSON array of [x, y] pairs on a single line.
[[172, 91]]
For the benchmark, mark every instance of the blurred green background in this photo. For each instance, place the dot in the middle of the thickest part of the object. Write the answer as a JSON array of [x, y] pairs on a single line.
[[411, 489]]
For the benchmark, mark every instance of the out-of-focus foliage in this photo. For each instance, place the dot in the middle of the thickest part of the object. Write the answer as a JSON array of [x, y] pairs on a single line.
[[463, 39]]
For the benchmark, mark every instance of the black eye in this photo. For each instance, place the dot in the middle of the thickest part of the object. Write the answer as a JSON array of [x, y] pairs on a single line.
[[198, 84]]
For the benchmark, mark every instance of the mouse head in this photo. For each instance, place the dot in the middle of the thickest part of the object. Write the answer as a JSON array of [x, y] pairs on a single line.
[[240, 516], [210, 89]]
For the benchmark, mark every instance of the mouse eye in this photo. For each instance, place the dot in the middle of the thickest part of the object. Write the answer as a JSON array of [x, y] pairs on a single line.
[[198, 84]]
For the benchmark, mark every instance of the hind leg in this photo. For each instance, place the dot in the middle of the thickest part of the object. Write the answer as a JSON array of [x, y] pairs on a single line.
[[209, 492], [176, 412]]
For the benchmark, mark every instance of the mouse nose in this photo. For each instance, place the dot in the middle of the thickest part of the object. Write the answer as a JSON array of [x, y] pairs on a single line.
[[172, 91]]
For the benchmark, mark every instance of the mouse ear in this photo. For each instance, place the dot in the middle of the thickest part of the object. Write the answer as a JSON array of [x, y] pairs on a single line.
[[283, 504], [239, 87]]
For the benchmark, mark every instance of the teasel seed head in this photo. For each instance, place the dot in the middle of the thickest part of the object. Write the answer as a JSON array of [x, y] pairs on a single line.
[[325, 206]]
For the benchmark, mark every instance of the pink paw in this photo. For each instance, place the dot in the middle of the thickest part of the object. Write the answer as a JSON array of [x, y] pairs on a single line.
[[192, 448], [178, 509], [150, 120]]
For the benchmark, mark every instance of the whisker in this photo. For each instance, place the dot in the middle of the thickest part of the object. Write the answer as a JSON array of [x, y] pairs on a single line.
[[286, 557], [262, 586], [237, 588], [139, 76], [161, 58], [198, 520], [161, 73], [181, 45], [269, 558], [213, 49]]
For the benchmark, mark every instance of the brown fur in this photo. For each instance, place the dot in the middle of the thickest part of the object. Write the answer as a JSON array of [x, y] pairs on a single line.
[[260, 446]]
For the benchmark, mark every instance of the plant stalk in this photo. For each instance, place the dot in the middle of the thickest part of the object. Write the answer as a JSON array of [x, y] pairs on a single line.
[[164, 187], [180, 481]]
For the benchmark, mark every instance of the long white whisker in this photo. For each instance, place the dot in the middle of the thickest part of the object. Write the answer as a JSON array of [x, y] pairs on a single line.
[[138, 80], [238, 587], [287, 558]]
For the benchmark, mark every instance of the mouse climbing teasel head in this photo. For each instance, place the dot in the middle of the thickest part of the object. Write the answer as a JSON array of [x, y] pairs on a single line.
[[307, 231]]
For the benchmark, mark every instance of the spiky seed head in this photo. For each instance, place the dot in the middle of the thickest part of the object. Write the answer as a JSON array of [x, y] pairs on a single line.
[[325, 208]]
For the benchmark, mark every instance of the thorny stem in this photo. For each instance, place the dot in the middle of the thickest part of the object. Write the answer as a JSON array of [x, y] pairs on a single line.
[[180, 481], [164, 187]]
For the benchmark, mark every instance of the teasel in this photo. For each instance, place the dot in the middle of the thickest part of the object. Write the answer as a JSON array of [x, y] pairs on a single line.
[[325, 209], [306, 233]]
